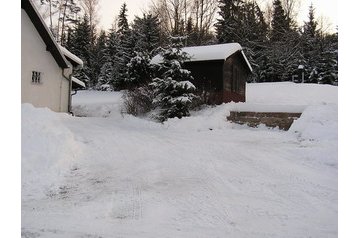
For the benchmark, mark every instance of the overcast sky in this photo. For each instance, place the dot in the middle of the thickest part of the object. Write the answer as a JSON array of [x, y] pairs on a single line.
[[110, 8]]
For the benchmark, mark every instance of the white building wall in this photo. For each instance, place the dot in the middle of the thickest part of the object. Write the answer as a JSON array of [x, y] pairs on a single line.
[[53, 91]]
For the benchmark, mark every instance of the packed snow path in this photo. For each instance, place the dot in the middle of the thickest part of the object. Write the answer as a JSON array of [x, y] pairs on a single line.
[[198, 177]]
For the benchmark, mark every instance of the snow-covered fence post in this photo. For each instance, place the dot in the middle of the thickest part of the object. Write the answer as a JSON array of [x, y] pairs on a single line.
[[301, 69]]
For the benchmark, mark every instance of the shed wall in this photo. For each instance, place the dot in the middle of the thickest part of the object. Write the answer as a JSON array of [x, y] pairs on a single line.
[[208, 78], [235, 74]]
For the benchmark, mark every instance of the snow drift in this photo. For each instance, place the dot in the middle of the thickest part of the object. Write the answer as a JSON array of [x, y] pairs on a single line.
[[48, 150]]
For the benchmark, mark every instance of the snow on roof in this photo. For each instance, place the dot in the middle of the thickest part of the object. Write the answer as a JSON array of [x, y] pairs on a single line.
[[73, 58], [77, 81], [209, 52], [45, 33], [212, 52]]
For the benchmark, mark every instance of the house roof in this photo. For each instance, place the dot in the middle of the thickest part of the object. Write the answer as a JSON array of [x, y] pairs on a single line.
[[45, 33], [209, 52], [78, 82], [74, 60]]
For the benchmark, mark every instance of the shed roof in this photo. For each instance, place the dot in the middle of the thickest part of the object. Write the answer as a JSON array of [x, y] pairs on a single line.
[[212, 52], [209, 52], [44, 32]]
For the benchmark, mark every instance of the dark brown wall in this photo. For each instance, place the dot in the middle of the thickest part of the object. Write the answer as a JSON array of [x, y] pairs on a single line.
[[235, 76], [224, 80], [208, 78], [207, 74]]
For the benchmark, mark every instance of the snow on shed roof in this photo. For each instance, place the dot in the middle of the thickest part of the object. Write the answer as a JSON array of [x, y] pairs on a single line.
[[71, 57], [209, 52], [212, 52]]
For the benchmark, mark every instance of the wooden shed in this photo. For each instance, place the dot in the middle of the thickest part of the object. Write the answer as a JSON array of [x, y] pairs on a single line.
[[219, 71]]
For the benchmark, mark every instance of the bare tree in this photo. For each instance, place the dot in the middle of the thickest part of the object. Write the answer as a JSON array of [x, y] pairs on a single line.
[[48, 9], [204, 12], [291, 8], [174, 15], [324, 26]]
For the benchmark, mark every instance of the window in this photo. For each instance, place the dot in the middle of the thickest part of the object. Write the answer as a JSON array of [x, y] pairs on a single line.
[[36, 77]]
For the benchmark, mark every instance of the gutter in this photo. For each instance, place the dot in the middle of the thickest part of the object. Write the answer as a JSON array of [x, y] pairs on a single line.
[[69, 89]]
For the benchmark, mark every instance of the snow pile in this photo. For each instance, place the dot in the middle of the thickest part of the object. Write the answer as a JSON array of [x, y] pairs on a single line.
[[319, 122], [91, 103], [288, 93], [49, 150]]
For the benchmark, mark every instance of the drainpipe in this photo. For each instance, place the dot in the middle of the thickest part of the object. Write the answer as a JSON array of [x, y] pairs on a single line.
[[69, 89]]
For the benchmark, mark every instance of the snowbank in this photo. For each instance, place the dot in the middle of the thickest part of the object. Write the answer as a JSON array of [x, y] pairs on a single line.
[[288, 93], [49, 150]]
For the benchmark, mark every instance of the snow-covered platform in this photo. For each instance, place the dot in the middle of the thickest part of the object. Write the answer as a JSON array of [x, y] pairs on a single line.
[[282, 120]]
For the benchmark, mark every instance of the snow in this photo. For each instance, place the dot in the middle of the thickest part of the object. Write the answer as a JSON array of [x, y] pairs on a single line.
[[79, 82], [71, 56], [97, 103], [208, 52], [114, 175]]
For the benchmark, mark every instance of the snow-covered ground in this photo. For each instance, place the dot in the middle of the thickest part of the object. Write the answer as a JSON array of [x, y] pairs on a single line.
[[113, 175]]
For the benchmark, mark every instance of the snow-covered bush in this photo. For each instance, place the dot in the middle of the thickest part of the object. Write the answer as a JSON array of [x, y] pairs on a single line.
[[138, 102], [139, 70]]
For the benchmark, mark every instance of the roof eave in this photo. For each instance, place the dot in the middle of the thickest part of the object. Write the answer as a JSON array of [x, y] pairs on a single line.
[[44, 32]]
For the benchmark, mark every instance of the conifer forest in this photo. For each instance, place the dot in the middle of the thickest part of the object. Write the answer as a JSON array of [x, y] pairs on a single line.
[[278, 47]]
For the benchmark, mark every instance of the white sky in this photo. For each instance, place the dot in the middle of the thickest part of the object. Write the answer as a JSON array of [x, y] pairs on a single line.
[[110, 8]]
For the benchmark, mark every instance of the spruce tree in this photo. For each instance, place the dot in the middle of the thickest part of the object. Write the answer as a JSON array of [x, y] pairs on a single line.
[[100, 56], [173, 88], [125, 50], [230, 15], [82, 48], [139, 71], [280, 23], [310, 47], [146, 32]]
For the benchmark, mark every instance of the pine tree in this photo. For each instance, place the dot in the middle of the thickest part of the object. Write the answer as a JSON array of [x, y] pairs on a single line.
[[328, 62], [70, 43], [139, 72], [280, 23], [230, 15], [125, 50], [173, 88], [146, 31], [244, 22], [310, 27], [310, 47], [283, 55], [107, 77], [100, 56], [122, 22], [82, 48]]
